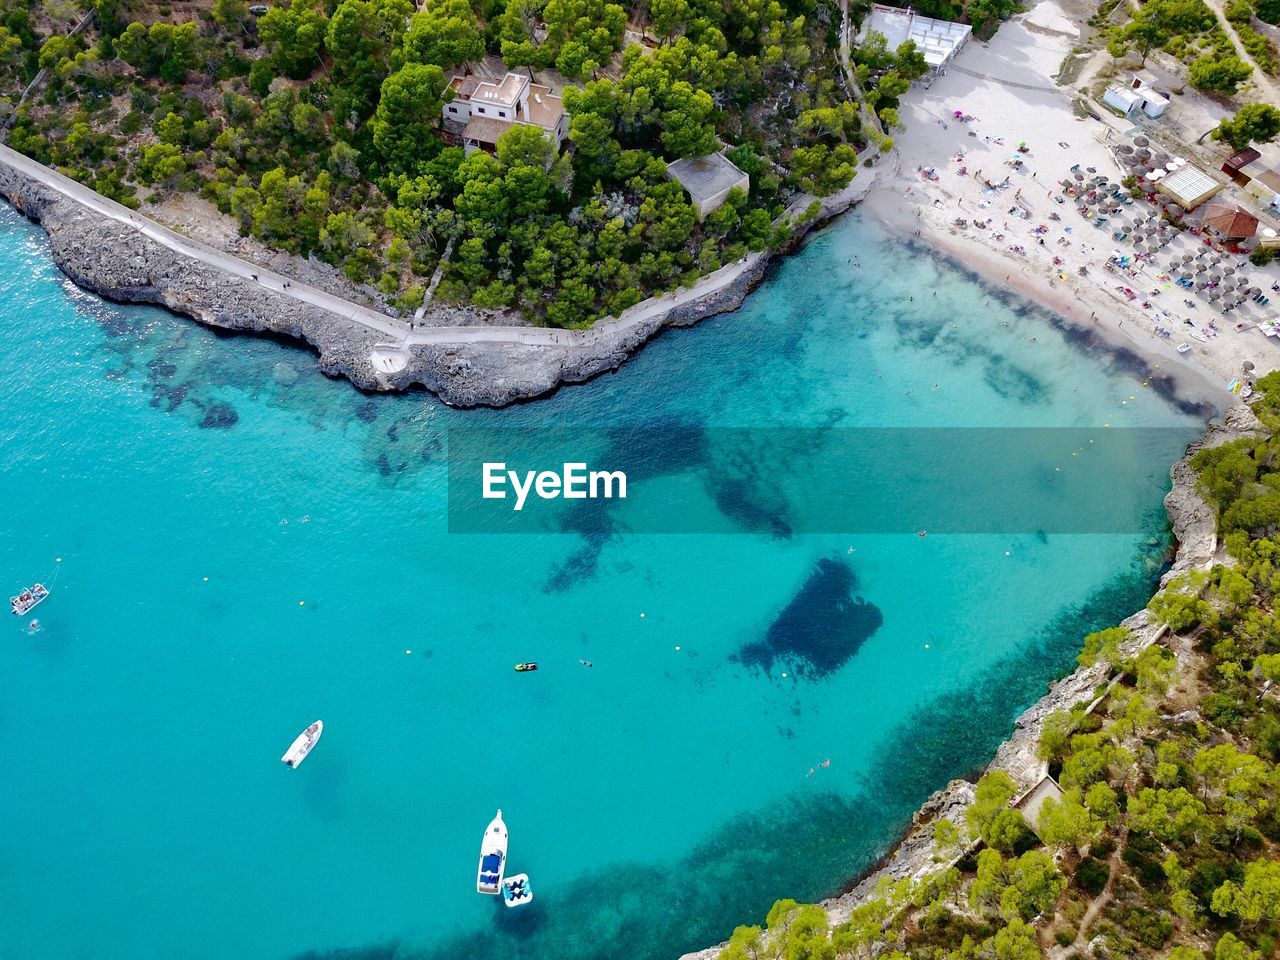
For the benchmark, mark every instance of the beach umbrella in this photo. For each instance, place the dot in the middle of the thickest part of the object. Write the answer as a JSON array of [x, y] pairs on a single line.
[[1229, 271], [1253, 291], [1201, 284], [1215, 294], [1079, 177], [1187, 258], [1215, 277]]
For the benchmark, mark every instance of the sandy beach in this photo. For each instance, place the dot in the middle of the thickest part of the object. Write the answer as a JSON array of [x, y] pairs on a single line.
[[1024, 233]]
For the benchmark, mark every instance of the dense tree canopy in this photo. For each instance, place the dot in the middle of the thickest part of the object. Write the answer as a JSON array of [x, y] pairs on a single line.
[[318, 127]]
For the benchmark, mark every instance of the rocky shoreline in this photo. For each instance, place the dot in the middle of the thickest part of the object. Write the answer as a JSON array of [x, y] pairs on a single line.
[[120, 261], [1195, 530]]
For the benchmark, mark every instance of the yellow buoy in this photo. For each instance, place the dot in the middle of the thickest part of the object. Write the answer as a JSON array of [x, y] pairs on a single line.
[[302, 603]]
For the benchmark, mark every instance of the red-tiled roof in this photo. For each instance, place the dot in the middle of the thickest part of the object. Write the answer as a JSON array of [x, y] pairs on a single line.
[[1230, 220]]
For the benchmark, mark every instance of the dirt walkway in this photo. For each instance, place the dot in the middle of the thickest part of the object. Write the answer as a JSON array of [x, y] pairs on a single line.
[[1267, 88], [1098, 904]]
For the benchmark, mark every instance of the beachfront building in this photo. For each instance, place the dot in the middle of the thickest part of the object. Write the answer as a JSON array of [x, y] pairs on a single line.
[[708, 180], [1235, 165], [481, 111], [1230, 221], [1136, 98], [1189, 186], [938, 40], [1250, 170]]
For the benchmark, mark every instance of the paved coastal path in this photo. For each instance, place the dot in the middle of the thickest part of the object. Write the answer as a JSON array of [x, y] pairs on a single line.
[[382, 324], [197, 250]]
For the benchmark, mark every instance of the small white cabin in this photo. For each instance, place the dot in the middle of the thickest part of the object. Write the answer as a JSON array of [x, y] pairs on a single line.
[[1136, 97]]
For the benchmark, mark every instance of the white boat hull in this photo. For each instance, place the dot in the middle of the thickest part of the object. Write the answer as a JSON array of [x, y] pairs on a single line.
[[303, 745], [493, 857]]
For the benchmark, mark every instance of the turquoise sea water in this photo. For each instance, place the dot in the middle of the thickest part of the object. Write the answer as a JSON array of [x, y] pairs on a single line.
[[197, 624]]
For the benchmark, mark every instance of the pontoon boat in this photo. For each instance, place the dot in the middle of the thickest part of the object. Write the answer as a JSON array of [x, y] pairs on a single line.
[[28, 598]]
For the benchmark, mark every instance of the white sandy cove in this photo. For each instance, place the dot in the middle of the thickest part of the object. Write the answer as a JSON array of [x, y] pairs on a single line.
[[1007, 87]]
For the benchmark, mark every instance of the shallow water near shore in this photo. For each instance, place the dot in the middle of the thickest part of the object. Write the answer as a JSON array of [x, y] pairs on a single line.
[[247, 547]]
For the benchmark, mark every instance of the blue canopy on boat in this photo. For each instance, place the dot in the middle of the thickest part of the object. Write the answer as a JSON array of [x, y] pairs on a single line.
[[490, 863]]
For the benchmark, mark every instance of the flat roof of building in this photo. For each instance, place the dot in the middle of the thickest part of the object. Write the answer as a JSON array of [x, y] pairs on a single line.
[[545, 109], [704, 177], [1270, 179], [1189, 185], [936, 39], [1241, 159], [504, 93]]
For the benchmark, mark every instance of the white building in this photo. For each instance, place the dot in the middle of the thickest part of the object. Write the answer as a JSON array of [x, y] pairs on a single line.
[[1135, 97], [482, 111], [938, 40]]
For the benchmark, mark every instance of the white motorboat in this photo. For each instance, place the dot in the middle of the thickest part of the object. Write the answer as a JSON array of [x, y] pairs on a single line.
[[493, 857], [516, 891], [300, 747], [28, 598]]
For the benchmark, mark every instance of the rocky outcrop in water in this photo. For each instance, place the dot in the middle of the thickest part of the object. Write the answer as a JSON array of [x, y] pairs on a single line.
[[1195, 530], [119, 262]]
